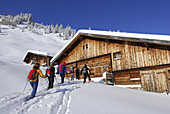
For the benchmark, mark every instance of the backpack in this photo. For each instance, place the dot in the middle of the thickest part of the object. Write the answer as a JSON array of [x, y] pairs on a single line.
[[71, 70], [61, 68], [32, 74], [84, 70], [49, 71]]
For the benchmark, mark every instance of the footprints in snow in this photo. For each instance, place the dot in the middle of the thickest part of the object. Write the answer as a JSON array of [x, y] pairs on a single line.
[[56, 100]]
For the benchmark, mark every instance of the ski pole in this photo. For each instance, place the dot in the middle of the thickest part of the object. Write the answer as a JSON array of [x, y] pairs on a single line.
[[56, 78], [25, 86]]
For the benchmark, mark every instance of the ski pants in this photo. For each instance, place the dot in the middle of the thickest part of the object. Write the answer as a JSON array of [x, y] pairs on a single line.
[[72, 76], [62, 74], [85, 76], [77, 76], [34, 85], [51, 81]]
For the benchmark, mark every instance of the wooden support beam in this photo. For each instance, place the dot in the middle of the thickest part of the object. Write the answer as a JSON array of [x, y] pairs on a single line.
[[48, 61]]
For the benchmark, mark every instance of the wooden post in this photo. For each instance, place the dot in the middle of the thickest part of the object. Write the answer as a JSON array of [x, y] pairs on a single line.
[[48, 61], [111, 61], [167, 80]]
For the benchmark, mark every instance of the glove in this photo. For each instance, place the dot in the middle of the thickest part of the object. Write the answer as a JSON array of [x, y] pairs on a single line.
[[57, 72]]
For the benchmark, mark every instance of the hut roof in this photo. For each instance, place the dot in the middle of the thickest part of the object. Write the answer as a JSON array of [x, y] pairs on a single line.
[[134, 37], [37, 52]]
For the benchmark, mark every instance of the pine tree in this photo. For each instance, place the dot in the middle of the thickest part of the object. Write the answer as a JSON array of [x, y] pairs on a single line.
[[17, 19], [22, 17], [26, 17], [56, 29], [41, 26], [29, 21], [61, 28], [48, 29]]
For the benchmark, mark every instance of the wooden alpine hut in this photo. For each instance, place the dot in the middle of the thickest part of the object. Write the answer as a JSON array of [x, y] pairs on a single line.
[[130, 58], [43, 58]]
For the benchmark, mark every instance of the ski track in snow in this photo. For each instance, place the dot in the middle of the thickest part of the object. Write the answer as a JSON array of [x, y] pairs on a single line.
[[53, 101]]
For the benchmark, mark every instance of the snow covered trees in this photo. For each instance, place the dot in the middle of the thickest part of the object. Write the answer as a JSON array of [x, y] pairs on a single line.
[[56, 29], [27, 21]]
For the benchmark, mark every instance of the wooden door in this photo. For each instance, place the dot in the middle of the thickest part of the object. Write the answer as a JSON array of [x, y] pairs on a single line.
[[160, 81], [154, 80]]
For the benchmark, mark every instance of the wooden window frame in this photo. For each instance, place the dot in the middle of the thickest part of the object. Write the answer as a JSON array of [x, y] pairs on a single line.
[[83, 47], [117, 57]]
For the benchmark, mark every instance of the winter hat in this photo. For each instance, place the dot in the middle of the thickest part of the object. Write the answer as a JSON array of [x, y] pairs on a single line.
[[64, 63]]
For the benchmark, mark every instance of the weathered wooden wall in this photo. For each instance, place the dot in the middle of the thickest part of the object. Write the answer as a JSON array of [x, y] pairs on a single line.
[[127, 78], [133, 55], [97, 65], [155, 80]]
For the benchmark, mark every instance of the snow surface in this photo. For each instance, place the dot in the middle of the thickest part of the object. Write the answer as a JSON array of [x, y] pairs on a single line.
[[72, 97]]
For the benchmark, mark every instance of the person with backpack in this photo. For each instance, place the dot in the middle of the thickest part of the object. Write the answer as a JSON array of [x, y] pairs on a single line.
[[77, 73], [72, 73], [86, 72], [33, 78], [62, 70], [50, 73]]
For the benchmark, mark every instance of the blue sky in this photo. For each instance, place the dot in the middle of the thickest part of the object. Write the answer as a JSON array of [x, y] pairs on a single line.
[[136, 16]]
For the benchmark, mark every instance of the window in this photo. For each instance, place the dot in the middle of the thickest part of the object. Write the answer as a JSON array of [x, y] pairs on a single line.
[[83, 47], [117, 55], [86, 46]]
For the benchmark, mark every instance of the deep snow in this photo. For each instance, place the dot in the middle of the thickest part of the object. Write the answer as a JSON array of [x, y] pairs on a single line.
[[74, 97], [13, 46]]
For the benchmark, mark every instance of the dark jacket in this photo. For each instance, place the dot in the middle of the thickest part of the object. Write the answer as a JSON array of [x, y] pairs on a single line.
[[77, 71], [85, 70], [53, 71]]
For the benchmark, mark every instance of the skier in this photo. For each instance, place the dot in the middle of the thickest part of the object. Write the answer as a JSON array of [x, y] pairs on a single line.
[[86, 72], [77, 73], [33, 78], [50, 73], [72, 73], [62, 70]]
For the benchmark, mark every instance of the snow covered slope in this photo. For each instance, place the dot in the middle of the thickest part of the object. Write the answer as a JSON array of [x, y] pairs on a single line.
[[13, 46]]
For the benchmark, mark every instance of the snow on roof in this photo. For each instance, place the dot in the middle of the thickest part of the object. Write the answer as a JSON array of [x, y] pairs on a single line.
[[37, 52], [158, 39]]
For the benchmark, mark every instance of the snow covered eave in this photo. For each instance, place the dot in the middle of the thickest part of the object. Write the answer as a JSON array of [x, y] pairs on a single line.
[[45, 54], [135, 37]]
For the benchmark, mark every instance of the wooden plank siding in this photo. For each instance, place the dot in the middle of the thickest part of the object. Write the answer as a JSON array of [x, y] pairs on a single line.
[[97, 65], [134, 55], [155, 80], [127, 78]]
